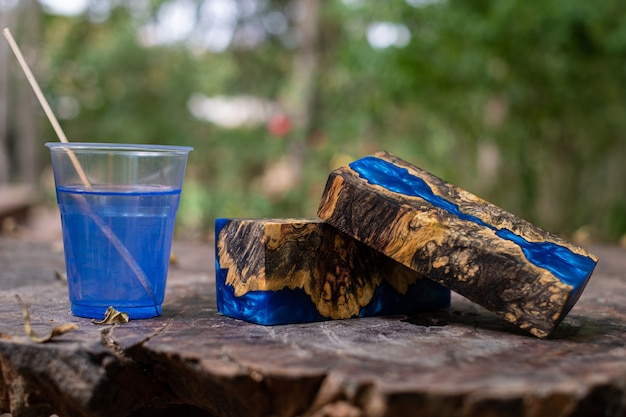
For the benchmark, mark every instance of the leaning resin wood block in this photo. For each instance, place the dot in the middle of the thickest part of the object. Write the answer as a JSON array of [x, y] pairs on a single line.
[[278, 271], [530, 277]]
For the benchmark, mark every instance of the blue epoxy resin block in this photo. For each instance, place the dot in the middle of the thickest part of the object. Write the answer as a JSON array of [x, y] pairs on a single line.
[[527, 275], [279, 271]]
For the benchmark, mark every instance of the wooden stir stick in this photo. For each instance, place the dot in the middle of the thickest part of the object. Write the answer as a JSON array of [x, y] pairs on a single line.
[[44, 103], [122, 250]]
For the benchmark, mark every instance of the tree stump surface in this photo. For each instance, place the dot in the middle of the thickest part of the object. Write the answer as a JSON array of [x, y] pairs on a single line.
[[464, 361], [16, 200]]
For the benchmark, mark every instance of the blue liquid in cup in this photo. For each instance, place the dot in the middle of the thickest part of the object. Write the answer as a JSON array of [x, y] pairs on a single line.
[[117, 243]]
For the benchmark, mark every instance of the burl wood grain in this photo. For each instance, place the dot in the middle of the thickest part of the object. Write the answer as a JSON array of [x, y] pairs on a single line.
[[337, 272], [465, 256]]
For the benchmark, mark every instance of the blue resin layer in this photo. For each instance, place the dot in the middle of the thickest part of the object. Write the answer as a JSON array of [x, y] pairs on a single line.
[[569, 267], [295, 306]]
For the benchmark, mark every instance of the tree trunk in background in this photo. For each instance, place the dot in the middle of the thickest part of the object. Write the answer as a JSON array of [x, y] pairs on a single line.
[[301, 94], [298, 100], [19, 153], [27, 141], [6, 20]]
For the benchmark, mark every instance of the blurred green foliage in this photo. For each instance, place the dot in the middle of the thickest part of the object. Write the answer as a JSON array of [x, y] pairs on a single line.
[[522, 103]]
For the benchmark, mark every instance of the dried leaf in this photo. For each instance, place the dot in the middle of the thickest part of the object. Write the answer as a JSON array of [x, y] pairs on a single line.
[[112, 316], [61, 276], [56, 331]]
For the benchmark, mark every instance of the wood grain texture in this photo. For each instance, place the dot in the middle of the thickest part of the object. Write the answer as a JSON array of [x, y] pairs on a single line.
[[278, 269], [458, 240]]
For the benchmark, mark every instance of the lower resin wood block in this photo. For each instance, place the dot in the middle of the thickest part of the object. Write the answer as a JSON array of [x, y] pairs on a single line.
[[529, 276], [278, 271]]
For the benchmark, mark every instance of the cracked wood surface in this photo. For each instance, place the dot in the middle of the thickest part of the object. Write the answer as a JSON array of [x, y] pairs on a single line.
[[464, 361]]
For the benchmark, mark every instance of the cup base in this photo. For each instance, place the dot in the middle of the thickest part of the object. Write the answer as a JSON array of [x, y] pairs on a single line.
[[98, 312]]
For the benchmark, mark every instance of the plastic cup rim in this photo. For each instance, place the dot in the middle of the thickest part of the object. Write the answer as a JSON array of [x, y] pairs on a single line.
[[101, 146]]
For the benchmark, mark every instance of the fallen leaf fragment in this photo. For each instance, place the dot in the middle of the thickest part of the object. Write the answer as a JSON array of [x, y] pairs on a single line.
[[56, 331], [61, 276], [112, 316]]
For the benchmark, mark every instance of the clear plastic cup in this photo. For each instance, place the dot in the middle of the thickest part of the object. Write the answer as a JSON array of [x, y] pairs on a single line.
[[118, 206]]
